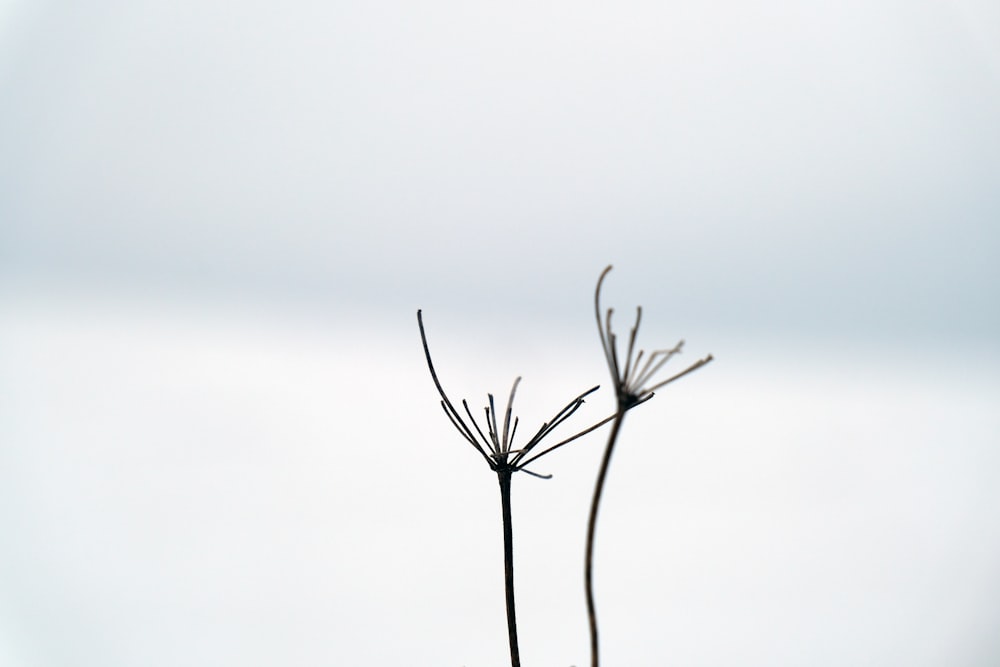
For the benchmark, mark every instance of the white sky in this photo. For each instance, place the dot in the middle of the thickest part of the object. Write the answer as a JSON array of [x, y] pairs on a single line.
[[218, 444], [179, 486]]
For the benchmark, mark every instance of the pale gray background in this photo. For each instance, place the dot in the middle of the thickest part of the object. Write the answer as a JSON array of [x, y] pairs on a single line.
[[218, 441]]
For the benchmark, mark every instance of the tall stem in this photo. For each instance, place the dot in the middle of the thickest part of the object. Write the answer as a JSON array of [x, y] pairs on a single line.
[[591, 526], [508, 565]]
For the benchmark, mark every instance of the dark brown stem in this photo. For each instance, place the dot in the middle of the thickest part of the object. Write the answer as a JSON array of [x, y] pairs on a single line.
[[588, 568], [508, 565]]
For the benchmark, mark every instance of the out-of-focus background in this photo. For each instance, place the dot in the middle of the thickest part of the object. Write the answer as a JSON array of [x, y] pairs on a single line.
[[219, 444]]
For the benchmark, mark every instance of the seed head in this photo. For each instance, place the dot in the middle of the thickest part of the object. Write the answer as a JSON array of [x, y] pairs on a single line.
[[631, 380], [497, 446]]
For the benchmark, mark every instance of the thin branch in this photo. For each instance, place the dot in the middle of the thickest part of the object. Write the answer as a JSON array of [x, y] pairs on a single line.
[[651, 368], [631, 342], [695, 366], [472, 419], [491, 423], [506, 418], [471, 440], [567, 441], [560, 417]]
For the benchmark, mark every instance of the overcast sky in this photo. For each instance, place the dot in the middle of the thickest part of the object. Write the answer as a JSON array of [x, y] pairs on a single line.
[[776, 165], [218, 442]]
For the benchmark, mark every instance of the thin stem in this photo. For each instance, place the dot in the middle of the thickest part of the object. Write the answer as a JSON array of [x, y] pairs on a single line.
[[449, 409], [508, 564], [693, 367], [588, 568], [521, 464], [549, 426]]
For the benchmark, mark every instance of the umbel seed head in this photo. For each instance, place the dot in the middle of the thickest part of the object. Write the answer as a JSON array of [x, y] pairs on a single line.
[[496, 446], [631, 379]]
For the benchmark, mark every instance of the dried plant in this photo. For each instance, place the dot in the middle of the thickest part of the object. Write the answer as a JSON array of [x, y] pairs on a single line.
[[631, 389], [498, 450], [633, 384]]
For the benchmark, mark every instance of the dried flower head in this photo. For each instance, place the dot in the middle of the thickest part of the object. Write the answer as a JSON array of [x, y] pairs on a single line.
[[496, 445], [631, 380]]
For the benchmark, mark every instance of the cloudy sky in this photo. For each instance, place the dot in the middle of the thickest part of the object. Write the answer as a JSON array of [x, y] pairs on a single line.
[[218, 443]]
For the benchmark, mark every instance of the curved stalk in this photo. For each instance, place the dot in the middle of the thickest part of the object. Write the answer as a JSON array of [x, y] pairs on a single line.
[[591, 528]]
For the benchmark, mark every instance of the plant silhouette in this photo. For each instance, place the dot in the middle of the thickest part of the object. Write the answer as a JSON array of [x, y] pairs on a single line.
[[494, 441], [630, 383], [497, 448]]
